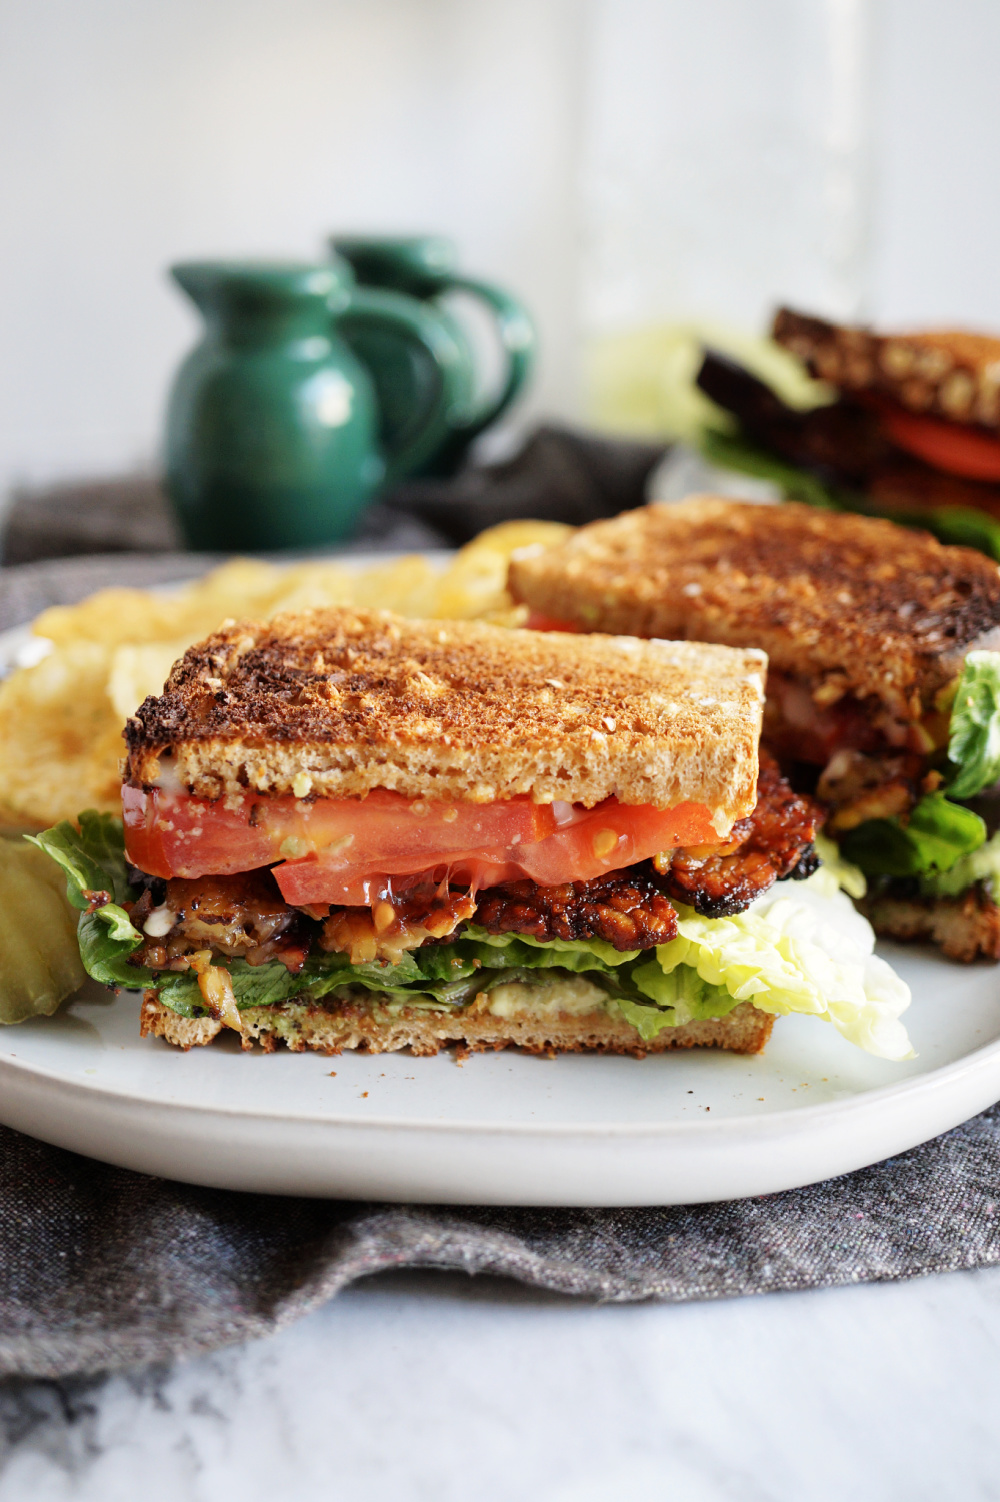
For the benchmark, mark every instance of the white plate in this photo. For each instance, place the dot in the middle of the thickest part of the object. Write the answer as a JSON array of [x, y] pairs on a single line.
[[506, 1128]]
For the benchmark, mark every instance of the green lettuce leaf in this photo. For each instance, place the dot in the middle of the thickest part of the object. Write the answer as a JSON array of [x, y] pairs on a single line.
[[732, 451], [93, 861], [92, 857], [937, 833], [974, 731], [981, 865], [519, 949]]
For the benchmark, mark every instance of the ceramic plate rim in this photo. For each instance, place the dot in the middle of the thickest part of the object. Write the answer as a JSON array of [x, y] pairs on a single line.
[[910, 1087]]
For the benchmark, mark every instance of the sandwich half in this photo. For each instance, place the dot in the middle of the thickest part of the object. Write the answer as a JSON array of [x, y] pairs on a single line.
[[913, 432], [883, 689], [344, 829]]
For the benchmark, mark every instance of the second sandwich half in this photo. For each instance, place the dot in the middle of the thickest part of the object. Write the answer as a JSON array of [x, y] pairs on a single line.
[[348, 829]]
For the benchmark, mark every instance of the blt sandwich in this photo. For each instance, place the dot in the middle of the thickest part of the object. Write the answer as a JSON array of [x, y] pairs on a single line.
[[344, 829]]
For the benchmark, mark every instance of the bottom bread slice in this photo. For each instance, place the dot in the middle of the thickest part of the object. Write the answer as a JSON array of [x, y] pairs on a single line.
[[331, 1026], [965, 928]]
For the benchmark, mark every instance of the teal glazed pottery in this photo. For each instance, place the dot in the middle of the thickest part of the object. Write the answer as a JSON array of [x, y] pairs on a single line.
[[274, 436], [424, 267]]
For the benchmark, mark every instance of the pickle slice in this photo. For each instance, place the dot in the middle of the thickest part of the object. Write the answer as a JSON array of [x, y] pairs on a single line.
[[39, 956]]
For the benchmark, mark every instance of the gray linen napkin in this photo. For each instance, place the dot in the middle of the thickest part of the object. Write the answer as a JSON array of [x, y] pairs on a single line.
[[103, 1268]]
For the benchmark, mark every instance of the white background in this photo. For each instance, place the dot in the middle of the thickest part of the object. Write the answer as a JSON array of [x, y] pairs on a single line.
[[613, 160]]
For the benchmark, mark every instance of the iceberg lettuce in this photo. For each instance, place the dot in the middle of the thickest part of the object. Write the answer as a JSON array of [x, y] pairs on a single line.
[[805, 950]]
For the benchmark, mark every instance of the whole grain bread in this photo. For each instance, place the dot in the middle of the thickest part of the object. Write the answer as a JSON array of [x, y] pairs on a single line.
[[965, 928], [945, 373], [334, 703], [332, 1028], [851, 604]]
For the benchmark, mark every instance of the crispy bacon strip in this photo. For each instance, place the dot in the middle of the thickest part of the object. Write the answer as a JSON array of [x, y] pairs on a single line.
[[625, 908], [241, 916], [773, 843]]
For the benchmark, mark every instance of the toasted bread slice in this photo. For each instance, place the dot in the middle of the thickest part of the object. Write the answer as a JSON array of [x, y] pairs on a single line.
[[945, 373], [965, 928], [336, 702], [333, 1027], [860, 605]]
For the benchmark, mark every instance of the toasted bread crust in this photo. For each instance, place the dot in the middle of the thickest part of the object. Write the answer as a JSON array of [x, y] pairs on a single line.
[[966, 928], [880, 610], [329, 1030], [945, 373], [334, 703]]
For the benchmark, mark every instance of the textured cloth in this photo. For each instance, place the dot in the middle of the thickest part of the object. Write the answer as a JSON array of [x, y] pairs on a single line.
[[558, 475], [100, 1267]]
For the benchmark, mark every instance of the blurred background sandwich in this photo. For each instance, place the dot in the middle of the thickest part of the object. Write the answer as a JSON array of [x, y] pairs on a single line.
[[911, 429], [883, 692]]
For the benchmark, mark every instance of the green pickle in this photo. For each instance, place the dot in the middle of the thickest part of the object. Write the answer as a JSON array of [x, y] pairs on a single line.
[[39, 955]]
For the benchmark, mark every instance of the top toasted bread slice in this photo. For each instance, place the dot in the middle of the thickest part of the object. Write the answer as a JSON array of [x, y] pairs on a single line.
[[871, 608], [336, 702], [945, 373]]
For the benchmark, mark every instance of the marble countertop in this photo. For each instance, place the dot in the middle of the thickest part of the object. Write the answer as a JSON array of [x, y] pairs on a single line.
[[425, 1386]]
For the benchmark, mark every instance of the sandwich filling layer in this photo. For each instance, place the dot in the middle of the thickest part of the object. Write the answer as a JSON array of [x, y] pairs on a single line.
[[795, 948]]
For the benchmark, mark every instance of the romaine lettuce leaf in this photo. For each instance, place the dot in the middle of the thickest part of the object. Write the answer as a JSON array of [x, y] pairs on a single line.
[[974, 731], [936, 834], [93, 861]]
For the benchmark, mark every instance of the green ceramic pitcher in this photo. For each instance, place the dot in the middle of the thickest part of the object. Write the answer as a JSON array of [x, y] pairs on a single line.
[[424, 266], [274, 434]]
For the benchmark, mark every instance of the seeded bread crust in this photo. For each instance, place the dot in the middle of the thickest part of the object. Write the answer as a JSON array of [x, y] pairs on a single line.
[[330, 1031], [945, 373], [334, 703], [874, 609], [965, 928]]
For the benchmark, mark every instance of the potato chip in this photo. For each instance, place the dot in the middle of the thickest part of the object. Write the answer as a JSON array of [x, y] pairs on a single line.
[[60, 738], [137, 670]]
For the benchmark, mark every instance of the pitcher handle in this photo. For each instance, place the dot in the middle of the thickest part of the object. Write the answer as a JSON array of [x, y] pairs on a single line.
[[516, 332], [432, 419]]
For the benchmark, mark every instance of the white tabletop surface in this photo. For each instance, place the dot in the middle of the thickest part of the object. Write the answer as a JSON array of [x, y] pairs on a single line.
[[432, 1386]]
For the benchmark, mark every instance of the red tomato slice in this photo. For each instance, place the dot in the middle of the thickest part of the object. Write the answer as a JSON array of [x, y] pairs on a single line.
[[339, 850], [606, 838], [953, 447], [538, 622], [170, 834]]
